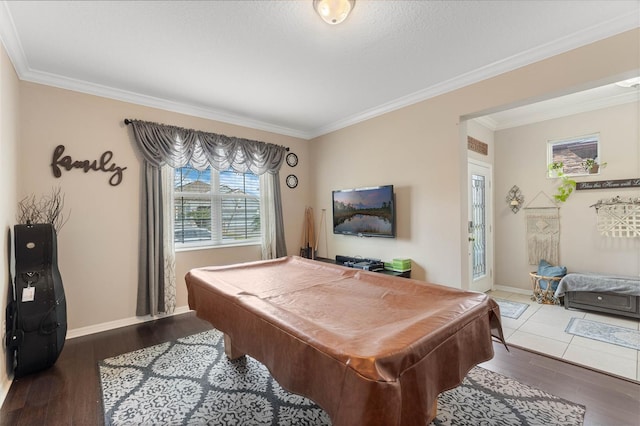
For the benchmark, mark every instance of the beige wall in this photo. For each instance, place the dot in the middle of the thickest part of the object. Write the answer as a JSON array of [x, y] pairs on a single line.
[[402, 148], [98, 246], [421, 151], [9, 136], [485, 135], [521, 158]]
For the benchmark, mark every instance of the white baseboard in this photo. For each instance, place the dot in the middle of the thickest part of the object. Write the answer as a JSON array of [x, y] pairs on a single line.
[[4, 388], [106, 326], [512, 289]]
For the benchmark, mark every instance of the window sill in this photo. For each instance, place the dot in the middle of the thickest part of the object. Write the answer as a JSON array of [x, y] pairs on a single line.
[[196, 248]]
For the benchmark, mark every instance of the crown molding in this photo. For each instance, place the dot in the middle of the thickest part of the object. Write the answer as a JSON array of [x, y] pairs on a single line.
[[563, 111], [11, 41], [62, 82], [586, 36]]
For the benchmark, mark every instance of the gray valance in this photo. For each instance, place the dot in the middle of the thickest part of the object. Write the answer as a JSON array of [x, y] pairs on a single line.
[[176, 146], [165, 146]]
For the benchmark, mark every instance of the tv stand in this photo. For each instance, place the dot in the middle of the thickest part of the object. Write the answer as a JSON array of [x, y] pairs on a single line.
[[359, 263]]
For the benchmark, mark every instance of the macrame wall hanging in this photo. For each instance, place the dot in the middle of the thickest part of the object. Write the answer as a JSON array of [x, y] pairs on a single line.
[[618, 217], [543, 230]]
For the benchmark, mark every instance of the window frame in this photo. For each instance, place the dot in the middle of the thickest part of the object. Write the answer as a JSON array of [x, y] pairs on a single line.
[[584, 139], [216, 215]]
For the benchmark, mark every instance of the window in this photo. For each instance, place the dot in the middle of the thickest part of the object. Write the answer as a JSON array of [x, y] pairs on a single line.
[[573, 153], [215, 208]]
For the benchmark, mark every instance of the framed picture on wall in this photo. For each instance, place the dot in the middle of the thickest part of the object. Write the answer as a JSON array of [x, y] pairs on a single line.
[[575, 156]]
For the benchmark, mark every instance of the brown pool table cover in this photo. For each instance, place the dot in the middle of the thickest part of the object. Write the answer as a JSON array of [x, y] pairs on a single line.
[[369, 348]]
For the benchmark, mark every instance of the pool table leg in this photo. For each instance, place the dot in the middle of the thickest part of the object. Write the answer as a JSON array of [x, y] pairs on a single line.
[[230, 350], [434, 410]]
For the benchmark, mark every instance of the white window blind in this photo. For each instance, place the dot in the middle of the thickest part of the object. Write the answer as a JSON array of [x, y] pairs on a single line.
[[215, 208]]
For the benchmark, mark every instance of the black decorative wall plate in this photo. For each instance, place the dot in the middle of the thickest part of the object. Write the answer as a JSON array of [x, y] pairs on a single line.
[[292, 159], [292, 181]]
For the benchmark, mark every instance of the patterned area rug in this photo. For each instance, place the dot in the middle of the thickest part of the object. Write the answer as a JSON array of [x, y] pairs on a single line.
[[608, 333], [191, 382], [510, 309]]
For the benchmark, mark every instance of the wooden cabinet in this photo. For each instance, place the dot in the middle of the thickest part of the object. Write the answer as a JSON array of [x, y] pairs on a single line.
[[612, 303]]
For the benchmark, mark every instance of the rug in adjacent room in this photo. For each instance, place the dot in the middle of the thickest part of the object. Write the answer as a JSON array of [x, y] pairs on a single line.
[[511, 309], [608, 333], [191, 382]]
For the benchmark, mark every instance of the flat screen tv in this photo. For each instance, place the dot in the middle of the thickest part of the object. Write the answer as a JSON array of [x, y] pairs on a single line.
[[366, 212]]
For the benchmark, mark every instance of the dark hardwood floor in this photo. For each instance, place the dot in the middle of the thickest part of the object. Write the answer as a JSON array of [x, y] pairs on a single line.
[[69, 392]]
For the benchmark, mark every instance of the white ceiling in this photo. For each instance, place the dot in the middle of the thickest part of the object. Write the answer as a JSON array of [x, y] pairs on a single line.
[[276, 66]]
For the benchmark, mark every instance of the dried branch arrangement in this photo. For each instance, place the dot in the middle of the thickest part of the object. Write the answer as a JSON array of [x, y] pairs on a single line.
[[46, 210], [615, 201]]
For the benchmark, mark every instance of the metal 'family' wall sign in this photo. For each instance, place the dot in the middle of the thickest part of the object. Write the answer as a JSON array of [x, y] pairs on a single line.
[[610, 184], [103, 164]]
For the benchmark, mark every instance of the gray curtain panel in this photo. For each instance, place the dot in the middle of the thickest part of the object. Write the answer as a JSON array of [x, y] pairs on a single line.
[[281, 248], [151, 259], [163, 144]]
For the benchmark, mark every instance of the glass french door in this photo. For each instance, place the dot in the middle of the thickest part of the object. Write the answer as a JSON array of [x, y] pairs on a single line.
[[480, 227]]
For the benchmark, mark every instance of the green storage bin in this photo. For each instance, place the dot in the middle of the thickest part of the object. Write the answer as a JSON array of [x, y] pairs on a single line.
[[401, 265]]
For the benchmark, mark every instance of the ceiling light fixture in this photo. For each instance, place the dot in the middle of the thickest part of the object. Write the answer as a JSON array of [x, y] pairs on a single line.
[[333, 11], [632, 82]]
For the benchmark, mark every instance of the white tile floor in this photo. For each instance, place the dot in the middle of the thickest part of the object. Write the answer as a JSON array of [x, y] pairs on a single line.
[[541, 328]]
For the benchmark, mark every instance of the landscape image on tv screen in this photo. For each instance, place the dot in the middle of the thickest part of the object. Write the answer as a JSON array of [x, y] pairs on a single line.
[[364, 211]]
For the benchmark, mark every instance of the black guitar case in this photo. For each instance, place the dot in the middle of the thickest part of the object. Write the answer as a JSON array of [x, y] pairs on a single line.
[[37, 310]]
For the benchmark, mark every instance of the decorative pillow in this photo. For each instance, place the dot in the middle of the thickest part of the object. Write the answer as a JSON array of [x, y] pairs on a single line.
[[548, 270]]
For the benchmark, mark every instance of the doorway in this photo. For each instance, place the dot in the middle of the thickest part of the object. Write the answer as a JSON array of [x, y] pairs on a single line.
[[480, 228]]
